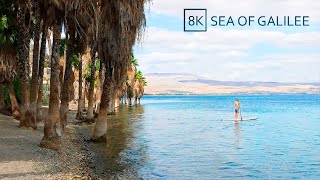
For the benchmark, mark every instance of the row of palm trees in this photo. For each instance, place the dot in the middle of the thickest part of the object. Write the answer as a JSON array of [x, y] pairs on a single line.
[[109, 28]]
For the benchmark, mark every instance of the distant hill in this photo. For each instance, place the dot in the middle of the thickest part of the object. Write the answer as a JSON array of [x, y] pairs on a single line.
[[184, 83]]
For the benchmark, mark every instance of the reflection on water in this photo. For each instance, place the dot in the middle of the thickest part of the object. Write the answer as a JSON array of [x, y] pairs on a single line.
[[237, 133], [124, 152], [184, 138]]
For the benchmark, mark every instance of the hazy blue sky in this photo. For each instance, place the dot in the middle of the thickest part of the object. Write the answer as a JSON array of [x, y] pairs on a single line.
[[285, 54]]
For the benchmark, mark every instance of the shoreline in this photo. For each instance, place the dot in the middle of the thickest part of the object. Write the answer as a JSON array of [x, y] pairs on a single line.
[[78, 158], [22, 158], [235, 94]]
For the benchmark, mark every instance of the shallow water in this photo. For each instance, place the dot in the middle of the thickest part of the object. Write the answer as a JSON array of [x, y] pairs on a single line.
[[183, 137]]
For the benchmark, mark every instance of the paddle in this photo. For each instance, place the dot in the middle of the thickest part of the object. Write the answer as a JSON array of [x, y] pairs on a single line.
[[240, 114]]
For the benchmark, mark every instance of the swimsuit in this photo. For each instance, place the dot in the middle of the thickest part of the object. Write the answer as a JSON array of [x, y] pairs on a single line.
[[236, 110]]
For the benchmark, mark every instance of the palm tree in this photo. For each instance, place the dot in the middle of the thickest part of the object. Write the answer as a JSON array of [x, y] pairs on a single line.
[[101, 78], [134, 61], [8, 53], [35, 65], [14, 103], [116, 26], [41, 68], [23, 17], [80, 91], [138, 88], [117, 34], [50, 139], [130, 82], [78, 15], [8, 72], [67, 82], [91, 15], [91, 85]]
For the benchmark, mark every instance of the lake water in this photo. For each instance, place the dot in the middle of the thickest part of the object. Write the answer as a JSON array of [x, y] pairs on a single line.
[[183, 137]]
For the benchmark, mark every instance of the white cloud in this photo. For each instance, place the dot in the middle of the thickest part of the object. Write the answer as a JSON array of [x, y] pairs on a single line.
[[227, 54], [219, 39], [264, 54], [244, 7]]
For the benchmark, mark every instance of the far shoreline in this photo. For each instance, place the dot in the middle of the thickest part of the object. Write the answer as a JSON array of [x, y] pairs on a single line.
[[236, 94]]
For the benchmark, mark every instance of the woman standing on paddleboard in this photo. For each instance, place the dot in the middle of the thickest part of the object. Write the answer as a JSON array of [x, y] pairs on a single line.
[[237, 109]]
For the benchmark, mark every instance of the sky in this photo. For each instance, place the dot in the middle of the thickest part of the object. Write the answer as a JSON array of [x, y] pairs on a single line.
[[250, 53]]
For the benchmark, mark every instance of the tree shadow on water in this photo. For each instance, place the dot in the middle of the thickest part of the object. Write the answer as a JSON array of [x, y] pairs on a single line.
[[125, 153]]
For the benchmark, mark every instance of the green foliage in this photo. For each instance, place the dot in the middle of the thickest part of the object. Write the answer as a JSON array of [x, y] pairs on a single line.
[[6, 95], [3, 22], [8, 29], [87, 75], [134, 61], [144, 82], [8, 35], [140, 76], [46, 64], [98, 64], [75, 60], [63, 46], [96, 82]]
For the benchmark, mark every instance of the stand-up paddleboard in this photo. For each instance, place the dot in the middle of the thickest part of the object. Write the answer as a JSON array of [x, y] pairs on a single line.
[[244, 119]]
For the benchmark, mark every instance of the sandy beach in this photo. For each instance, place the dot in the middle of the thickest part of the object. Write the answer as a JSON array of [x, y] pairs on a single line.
[[22, 158]]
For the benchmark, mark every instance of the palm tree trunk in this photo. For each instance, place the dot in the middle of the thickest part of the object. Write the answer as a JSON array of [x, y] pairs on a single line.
[[35, 67], [13, 100], [91, 85], [49, 41], [84, 88], [100, 130], [111, 106], [135, 96], [100, 86], [135, 100], [41, 70], [50, 139], [117, 99], [24, 66], [80, 99], [67, 82], [127, 99]]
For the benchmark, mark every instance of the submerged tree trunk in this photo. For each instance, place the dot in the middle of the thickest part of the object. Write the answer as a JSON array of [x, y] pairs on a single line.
[[14, 103], [41, 71], [91, 85], [67, 82], [117, 100], [50, 139], [111, 106], [80, 99], [35, 68], [24, 67], [100, 130]]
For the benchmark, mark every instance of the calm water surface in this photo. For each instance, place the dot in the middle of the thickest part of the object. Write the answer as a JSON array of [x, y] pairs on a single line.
[[183, 137]]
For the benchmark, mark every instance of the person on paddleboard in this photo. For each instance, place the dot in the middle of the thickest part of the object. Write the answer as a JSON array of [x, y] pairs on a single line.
[[236, 109]]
